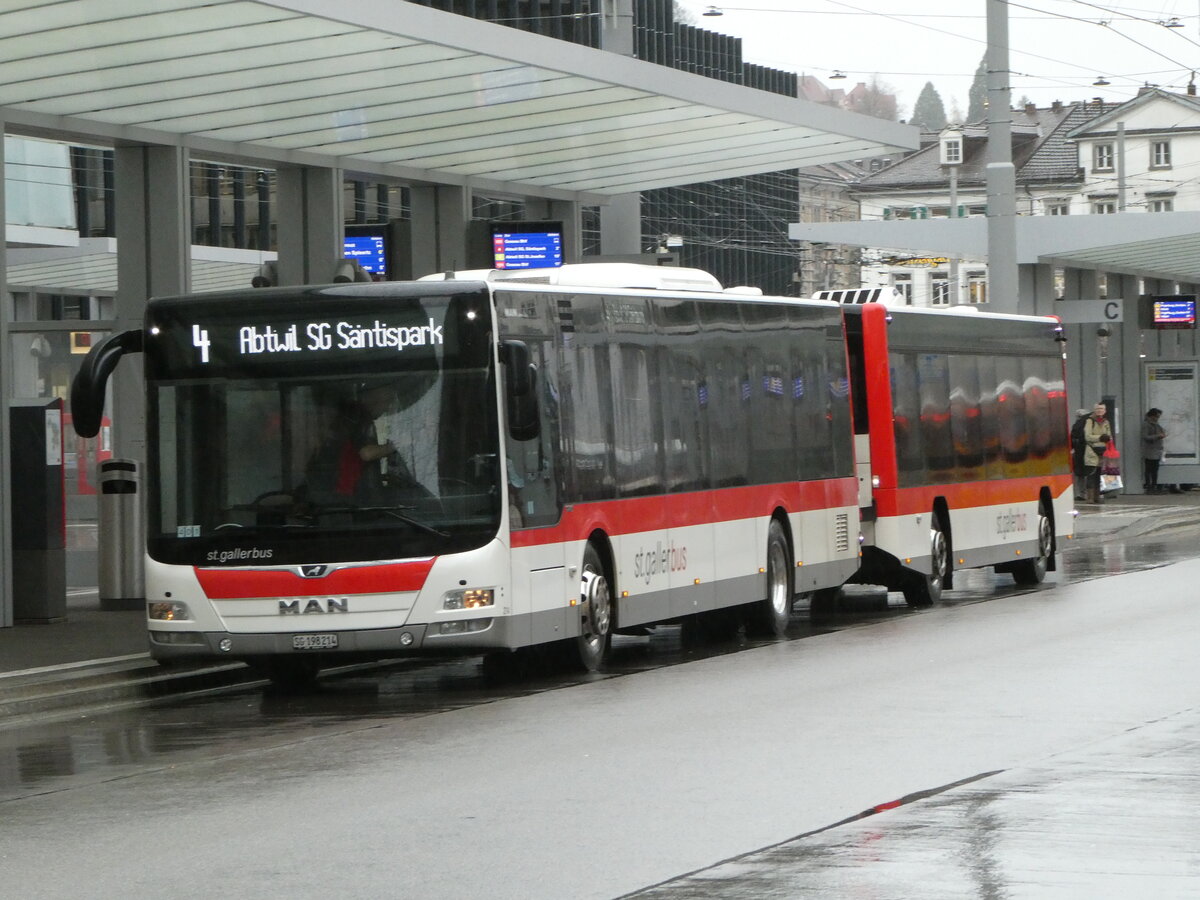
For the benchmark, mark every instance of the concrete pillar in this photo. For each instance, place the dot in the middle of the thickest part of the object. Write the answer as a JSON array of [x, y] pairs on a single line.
[[621, 226], [310, 224], [440, 215], [6, 377], [616, 27], [1035, 290], [153, 260], [569, 212]]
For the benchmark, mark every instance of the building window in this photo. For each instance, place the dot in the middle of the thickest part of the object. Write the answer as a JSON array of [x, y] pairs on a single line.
[[1160, 154], [903, 285], [939, 287], [1104, 207], [1057, 207], [1160, 204], [1102, 157], [977, 287]]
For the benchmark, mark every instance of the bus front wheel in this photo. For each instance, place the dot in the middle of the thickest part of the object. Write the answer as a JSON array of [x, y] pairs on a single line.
[[589, 650]]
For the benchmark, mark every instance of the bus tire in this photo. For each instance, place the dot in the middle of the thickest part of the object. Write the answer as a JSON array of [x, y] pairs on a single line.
[[589, 650], [770, 617], [920, 589], [1033, 571]]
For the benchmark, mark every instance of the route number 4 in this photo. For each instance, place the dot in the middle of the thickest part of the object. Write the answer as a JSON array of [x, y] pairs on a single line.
[[200, 339]]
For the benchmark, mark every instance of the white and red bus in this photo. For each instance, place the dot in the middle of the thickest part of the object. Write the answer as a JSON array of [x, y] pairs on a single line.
[[512, 460], [546, 463], [962, 444]]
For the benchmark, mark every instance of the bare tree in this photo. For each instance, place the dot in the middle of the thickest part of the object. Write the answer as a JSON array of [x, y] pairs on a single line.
[[876, 99]]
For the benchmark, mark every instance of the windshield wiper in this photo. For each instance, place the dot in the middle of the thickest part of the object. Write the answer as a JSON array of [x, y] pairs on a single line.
[[396, 512]]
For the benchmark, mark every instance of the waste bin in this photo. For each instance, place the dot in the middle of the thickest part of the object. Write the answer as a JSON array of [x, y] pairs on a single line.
[[39, 533], [120, 538]]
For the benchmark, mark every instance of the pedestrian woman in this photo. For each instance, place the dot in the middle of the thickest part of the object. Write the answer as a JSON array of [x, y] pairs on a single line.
[[1097, 435]]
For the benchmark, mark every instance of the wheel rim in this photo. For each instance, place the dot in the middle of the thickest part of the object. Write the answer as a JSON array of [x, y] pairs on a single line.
[[940, 558], [597, 607], [1045, 538], [777, 586]]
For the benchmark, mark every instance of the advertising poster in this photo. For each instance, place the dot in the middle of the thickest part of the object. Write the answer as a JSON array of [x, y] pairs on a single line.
[[1172, 388]]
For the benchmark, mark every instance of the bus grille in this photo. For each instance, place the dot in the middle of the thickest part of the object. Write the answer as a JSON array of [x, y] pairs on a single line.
[[841, 532]]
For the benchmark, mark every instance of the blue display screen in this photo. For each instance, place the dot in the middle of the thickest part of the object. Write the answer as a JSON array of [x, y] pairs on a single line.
[[526, 249], [369, 250], [1175, 312]]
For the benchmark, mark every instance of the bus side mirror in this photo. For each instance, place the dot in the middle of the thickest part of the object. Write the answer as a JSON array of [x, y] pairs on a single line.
[[91, 381], [521, 391]]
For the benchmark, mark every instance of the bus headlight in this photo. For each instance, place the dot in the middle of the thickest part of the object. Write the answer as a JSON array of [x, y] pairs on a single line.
[[471, 598], [168, 611]]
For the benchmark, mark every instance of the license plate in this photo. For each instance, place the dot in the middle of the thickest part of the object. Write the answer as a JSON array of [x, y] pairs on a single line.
[[314, 641]]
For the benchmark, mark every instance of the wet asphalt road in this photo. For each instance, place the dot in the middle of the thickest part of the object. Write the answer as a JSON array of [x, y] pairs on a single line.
[[431, 779]]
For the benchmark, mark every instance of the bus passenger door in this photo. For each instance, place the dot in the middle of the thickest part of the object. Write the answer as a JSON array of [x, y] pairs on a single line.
[[532, 473]]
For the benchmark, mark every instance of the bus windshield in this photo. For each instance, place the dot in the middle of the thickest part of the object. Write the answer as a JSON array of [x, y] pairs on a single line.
[[327, 457]]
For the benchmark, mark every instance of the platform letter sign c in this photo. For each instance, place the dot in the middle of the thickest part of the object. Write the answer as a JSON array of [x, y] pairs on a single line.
[[200, 339]]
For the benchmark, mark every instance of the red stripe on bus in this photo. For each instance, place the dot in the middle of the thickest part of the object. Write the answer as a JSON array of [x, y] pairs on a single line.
[[695, 508], [389, 578], [971, 494]]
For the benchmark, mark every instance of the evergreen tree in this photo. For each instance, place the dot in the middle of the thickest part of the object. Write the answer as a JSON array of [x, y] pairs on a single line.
[[929, 111], [977, 97]]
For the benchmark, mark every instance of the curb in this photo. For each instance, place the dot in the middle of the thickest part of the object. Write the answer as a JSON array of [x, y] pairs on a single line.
[[97, 685]]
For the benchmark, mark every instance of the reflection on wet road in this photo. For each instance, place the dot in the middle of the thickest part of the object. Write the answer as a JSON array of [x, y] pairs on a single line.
[[57, 755]]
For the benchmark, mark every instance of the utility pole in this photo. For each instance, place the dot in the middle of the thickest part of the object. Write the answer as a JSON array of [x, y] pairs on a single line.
[[1001, 176]]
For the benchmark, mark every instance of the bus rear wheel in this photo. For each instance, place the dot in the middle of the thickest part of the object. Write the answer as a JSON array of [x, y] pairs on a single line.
[[770, 617], [925, 590], [589, 650], [1033, 571]]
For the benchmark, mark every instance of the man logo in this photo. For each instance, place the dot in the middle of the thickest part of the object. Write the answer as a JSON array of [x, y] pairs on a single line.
[[314, 571], [314, 605]]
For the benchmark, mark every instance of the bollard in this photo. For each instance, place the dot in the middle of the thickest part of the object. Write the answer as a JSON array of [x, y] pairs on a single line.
[[121, 537]]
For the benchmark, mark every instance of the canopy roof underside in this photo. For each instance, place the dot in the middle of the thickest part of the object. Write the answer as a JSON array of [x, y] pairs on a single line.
[[399, 90]]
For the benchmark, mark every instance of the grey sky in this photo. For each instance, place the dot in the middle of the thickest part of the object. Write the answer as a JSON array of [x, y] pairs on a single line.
[[1058, 47]]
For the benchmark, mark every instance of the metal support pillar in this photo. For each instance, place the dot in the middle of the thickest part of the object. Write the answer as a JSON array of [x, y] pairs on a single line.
[[440, 214], [1001, 176], [153, 260], [310, 224], [6, 380]]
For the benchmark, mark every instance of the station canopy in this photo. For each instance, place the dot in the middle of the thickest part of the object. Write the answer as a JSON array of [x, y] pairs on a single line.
[[398, 90]]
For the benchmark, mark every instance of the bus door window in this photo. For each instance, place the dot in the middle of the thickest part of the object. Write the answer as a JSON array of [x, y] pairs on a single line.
[[533, 466], [768, 371], [832, 361]]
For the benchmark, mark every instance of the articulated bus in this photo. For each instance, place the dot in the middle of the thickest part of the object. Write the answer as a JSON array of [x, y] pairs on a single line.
[[496, 461]]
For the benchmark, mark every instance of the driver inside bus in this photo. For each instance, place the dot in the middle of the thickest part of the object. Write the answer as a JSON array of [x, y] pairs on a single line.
[[350, 466]]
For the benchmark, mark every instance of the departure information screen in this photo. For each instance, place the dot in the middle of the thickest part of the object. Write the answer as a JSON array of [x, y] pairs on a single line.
[[526, 248]]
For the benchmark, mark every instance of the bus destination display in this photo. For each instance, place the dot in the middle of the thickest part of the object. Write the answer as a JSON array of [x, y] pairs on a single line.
[[526, 249]]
